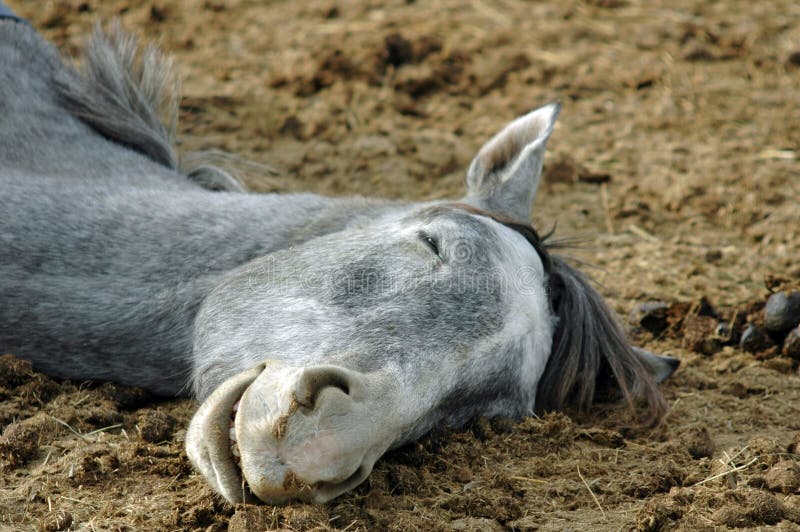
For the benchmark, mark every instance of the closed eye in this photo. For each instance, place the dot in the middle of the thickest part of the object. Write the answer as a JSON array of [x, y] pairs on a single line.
[[431, 243]]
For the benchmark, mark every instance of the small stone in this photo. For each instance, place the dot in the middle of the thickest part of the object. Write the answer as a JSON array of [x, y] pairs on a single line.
[[754, 339], [723, 332], [791, 345], [782, 312], [784, 477]]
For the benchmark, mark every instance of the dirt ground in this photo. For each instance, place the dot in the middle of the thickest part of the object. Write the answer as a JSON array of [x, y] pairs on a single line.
[[677, 158]]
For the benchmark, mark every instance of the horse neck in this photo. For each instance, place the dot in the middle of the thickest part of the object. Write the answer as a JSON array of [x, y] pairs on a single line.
[[107, 280]]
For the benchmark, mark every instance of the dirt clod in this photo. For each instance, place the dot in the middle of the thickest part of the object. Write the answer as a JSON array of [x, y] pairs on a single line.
[[20, 441], [58, 520], [784, 477], [155, 426], [651, 316], [699, 334], [14, 371], [750, 508], [699, 443]]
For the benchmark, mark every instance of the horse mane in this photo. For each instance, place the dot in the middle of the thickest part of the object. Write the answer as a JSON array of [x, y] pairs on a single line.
[[590, 350], [129, 94], [126, 93]]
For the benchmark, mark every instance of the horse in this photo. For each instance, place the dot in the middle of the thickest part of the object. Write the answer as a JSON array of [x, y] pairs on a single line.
[[316, 332]]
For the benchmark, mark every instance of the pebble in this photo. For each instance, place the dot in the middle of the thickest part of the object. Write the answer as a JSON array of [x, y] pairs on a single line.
[[754, 339], [782, 311], [791, 345]]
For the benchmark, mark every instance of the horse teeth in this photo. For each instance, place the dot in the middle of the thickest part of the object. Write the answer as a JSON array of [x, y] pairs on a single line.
[[235, 452], [236, 406], [232, 434]]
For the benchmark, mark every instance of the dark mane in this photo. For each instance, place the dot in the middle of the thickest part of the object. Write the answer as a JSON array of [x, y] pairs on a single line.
[[590, 349]]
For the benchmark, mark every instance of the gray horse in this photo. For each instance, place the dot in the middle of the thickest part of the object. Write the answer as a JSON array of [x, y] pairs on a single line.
[[317, 332]]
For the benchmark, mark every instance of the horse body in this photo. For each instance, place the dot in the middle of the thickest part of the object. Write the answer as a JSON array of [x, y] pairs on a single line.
[[334, 328]]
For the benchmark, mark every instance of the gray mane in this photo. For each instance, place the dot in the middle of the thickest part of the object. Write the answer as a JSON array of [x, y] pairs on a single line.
[[130, 95]]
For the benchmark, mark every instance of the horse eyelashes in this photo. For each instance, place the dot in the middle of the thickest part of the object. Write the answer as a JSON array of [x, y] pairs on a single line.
[[432, 243]]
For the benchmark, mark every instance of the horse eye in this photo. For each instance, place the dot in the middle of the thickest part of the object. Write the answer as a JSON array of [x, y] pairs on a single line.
[[431, 243]]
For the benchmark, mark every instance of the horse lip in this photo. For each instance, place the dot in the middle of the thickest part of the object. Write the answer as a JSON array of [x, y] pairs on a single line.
[[208, 441]]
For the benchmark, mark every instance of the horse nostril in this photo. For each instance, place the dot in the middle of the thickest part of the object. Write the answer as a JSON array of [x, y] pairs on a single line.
[[315, 380]]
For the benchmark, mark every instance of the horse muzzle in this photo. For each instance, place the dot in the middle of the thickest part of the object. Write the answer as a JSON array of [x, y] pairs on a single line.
[[307, 434]]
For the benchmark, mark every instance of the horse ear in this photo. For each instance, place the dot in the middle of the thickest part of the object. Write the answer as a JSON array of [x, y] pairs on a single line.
[[504, 176]]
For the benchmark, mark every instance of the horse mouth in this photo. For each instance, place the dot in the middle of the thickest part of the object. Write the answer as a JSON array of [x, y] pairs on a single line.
[[235, 454], [254, 439]]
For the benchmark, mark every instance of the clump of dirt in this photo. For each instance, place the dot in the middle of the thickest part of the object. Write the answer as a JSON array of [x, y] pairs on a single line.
[[675, 155], [706, 330], [21, 440]]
